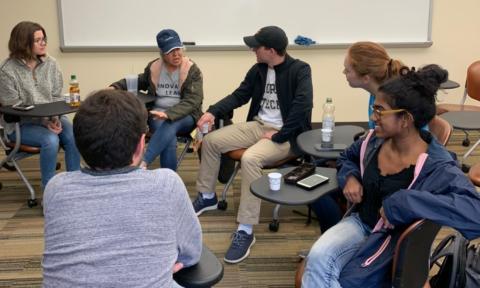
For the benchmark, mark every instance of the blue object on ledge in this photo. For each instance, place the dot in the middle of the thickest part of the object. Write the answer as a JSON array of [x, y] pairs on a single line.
[[302, 40]]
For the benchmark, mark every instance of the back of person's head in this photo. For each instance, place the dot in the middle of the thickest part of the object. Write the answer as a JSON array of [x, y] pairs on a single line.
[[369, 58], [415, 91], [21, 40], [108, 127]]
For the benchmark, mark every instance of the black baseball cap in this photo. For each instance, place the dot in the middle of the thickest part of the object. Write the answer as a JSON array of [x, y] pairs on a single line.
[[269, 36]]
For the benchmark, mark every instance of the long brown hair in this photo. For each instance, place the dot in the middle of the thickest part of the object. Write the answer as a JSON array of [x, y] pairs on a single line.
[[21, 39], [369, 58]]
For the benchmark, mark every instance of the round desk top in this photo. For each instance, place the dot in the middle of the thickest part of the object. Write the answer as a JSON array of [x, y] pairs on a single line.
[[449, 84], [467, 120], [41, 110], [290, 194], [342, 134]]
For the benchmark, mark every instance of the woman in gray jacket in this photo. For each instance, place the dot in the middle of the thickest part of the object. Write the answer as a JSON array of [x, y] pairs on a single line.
[[178, 84]]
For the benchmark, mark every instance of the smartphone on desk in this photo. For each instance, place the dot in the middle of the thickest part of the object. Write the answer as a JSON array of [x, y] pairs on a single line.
[[312, 181], [333, 147], [22, 107]]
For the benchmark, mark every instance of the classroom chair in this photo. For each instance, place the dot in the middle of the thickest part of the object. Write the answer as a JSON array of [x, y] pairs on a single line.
[[236, 155], [472, 89], [14, 153], [474, 174], [206, 273], [186, 139], [441, 129], [411, 261]]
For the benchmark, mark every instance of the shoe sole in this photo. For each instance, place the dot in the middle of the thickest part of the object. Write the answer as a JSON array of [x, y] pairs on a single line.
[[213, 207], [244, 256]]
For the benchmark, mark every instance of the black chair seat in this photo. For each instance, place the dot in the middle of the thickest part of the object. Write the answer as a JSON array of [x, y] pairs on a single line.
[[206, 273]]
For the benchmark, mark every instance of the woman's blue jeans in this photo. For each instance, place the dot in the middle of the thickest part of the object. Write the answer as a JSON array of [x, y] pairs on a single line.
[[332, 251], [36, 135], [163, 141]]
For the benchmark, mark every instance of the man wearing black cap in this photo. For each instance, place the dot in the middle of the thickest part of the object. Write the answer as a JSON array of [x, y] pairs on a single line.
[[280, 90]]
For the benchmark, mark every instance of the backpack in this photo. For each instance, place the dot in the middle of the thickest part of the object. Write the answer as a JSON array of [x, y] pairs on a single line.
[[458, 263]]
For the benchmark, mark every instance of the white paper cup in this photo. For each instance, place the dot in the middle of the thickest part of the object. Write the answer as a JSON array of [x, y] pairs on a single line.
[[327, 135], [132, 83], [205, 128], [275, 181]]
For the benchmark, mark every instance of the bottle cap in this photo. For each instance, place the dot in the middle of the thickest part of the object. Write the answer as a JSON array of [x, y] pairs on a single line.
[[329, 100], [73, 77]]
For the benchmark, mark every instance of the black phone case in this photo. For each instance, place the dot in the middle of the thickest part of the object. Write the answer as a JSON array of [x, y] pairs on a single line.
[[332, 147], [297, 174]]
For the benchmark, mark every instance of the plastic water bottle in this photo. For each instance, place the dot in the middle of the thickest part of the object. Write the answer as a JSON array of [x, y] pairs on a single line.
[[328, 118], [74, 90]]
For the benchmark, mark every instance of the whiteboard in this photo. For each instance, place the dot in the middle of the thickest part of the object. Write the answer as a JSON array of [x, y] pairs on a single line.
[[130, 24]]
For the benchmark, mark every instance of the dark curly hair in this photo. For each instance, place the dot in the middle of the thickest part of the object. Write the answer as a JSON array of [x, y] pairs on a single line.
[[108, 127], [415, 91]]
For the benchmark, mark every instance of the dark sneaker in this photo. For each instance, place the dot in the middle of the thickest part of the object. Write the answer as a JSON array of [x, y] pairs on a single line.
[[240, 247], [200, 205]]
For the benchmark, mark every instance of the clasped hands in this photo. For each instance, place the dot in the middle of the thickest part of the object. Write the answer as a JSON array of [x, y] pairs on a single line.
[[53, 124]]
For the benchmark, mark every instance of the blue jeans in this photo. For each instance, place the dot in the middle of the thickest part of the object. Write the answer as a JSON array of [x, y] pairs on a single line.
[[164, 140], [39, 136], [332, 251]]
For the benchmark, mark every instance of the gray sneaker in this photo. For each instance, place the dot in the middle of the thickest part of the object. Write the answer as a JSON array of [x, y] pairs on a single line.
[[240, 247]]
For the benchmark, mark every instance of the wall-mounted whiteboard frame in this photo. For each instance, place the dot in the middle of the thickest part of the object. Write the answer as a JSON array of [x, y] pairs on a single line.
[[131, 25]]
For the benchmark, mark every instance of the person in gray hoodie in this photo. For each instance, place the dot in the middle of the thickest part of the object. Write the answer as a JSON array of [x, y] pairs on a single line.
[[113, 224]]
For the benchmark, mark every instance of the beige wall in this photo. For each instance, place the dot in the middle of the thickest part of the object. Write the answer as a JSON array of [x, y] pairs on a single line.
[[455, 35]]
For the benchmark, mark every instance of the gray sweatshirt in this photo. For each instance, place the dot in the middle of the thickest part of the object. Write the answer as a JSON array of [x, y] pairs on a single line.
[[20, 84], [122, 228]]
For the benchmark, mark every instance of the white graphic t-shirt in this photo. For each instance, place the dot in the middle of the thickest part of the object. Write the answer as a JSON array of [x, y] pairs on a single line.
[[270, 107], [168, 91]]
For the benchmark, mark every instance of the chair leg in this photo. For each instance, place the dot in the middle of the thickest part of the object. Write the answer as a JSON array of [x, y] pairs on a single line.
[[466, 141], [273, 226], [222, 204], [184, 151], [470, 150], [309, 218], [32, 201]]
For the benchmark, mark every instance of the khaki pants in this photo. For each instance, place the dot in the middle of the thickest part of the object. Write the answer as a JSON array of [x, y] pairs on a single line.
[[260, 152]]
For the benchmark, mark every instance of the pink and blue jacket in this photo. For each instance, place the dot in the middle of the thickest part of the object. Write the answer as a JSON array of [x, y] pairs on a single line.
[[440, 191]]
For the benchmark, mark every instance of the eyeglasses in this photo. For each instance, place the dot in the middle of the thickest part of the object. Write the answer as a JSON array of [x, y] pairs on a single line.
[[379, 112], [40, 40]]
